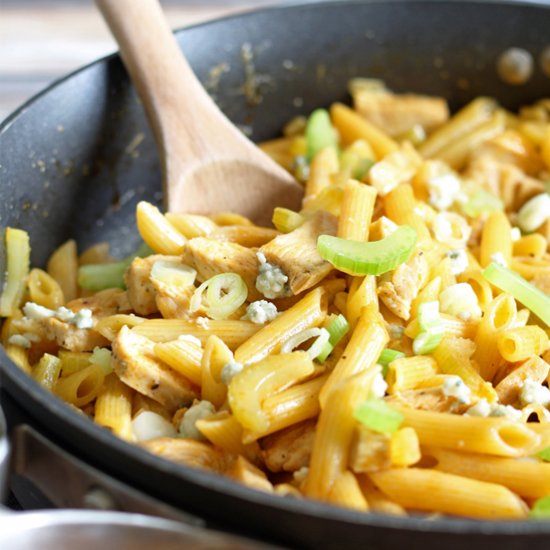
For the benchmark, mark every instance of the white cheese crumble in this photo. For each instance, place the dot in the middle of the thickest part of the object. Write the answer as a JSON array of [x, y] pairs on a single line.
[[499, 259], [198, 411], [301, 474], [396, 331], [149, 425], [533, 393], [455, 387], [515, 234], [459, 261], [229, 370], [484, 408], [23, 340], [379, 386], [460, 300], [202, 322], [82, 319], [260, 312], [534, 213], [271, 280], [443, 190]]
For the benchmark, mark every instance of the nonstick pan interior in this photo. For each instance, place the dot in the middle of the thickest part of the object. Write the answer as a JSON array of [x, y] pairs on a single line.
[[75, 160]]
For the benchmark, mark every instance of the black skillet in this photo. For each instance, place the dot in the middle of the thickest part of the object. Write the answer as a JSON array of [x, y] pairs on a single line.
[[70, 167]]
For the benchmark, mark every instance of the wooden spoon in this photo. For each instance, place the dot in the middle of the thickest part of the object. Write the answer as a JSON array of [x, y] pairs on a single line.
[[208, 165]]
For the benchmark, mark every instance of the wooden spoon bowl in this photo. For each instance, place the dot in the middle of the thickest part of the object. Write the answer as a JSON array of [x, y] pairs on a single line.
[[208, 165]]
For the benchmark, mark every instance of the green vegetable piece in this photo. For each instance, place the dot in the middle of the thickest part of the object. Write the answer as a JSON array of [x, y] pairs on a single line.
[[103, 358], [97, 277], [544, 454], [526, 293], [319, 133], [541, 509], [388, 355], [377, 415], [337, 329], [480, 202], [368, 258]]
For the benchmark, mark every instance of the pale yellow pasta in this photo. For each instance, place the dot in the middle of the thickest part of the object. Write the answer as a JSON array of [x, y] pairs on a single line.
[[525, 477], [520, 343], [329, 458], [324, 167], [82, 386], [404, 447], [63, 267], [113, 407], [255, 382], [456, 153], [346, 492], [480, 286], [463, 122], [95, 254], [496, 239], [17, 268], [356, 211], [216, 355], [378, 501], [406, 373], [287, 407], [183, 355], [73, 361], [533, 245], [496, 436], [361, 354], [309, 312], [44, 289], [353, 126], [19, 356], [46, 371], [362, 293], [110, 325], [429, 293], [157, 231], [328, 199], [400, 207], [232, 332], [251, 236], [191, 225], [431, 490]]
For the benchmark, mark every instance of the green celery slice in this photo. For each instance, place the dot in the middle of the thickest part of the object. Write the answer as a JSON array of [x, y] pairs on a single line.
[[377, 415], [541, 509], [368, 258], [337, 329], [526, 293], [319, 133]]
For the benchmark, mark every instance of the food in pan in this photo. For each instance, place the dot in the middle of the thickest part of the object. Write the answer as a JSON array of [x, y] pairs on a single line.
[[386, 348]]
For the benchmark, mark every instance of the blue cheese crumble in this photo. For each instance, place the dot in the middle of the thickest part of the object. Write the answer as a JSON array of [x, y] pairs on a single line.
[[484, 409], [229, 370], [271, 280], [82, 319], [260, 312], [198, 411], [459, 261], [455, 387]]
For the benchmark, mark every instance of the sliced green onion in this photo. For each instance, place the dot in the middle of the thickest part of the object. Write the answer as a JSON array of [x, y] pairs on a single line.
[[541, 509], [286, 220], [225, 293], [368, 258], [337, 329], [97, 277], [387, 356], [377, 415], [319, 133], [102, 357], [544, 454], [526, 293], [431, 328], [294, 341], [480, 202]]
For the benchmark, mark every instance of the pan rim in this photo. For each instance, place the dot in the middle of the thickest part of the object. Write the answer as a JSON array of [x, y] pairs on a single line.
[[219, 484]]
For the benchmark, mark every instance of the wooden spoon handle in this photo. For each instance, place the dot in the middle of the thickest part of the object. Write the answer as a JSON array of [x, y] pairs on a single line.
[[160, 73]]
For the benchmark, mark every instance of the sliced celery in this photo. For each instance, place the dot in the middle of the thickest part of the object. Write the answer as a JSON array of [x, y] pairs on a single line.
[[337, 329], [388, 355], [377, 415], [526, 293], [480, 202], [319, 133], [541, 509], [368, 258]]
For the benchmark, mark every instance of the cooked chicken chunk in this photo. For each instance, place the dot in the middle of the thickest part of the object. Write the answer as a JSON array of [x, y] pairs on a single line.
[[509, 388], [429, 399], [210, 257], [137, 366], [104, 303], [243, 471], [290, 449], [70, 337], [398, 289], [296, 252]]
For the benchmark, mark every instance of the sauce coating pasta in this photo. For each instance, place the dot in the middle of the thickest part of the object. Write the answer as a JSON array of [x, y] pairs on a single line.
[[385, 348]]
